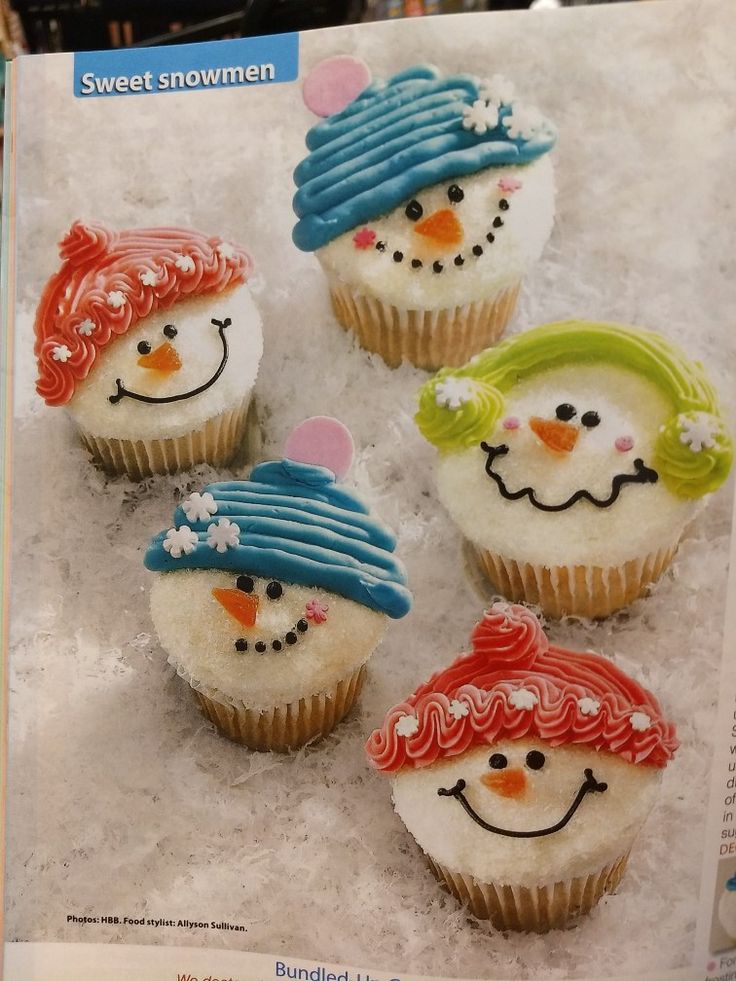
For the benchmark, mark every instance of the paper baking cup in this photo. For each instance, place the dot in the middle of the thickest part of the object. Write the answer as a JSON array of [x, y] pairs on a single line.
[[216, 442], [427, 338], [289, 726], [537, 909], [584, 591]]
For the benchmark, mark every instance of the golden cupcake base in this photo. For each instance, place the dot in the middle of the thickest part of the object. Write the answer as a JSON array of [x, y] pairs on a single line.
[[537, 909], [584, 591], [429, 339], [216, 442], [285, 727]]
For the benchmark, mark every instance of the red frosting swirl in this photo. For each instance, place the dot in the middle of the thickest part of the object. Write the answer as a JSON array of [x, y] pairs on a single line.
[[109, 281], [515, 684]]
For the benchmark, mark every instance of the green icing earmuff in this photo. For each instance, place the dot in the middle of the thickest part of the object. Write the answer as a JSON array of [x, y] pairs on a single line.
[[693, 453]]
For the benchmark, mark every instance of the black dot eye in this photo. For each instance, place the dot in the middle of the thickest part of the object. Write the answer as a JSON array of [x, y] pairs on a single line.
[[590, 419], [535, 760], [241, 644], [245, 583], [274, 590], [498, 761], [455, 193], [414, 211], [144, 347], [566, 412], [170, 330]]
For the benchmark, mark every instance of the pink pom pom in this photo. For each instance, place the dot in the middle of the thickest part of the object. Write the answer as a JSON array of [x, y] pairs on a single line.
[[334, 83], [322, 441]]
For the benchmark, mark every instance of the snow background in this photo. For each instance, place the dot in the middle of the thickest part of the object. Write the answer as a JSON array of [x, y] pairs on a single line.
[[122, 800]]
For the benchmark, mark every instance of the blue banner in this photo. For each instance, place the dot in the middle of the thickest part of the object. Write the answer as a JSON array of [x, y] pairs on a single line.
[[187, 67]]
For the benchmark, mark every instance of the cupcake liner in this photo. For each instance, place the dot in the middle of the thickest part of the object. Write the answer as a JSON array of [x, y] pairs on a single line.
[[216, 442], [584, 591], [428, 339], [284, 727], [537, 909]]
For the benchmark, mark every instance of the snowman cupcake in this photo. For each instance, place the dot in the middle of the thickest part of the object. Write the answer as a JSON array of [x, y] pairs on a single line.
[[151, 340], [727, 907], [426, 199], [572, 457], [525, 771], [272, 593]]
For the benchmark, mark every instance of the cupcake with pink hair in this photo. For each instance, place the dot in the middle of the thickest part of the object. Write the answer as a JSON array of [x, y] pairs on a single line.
[[525, 771], [151, 340]]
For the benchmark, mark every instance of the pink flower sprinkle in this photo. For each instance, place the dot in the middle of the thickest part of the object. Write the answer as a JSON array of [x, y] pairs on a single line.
[[509, 184], [364, 239], [511, 422], [624, 443], [316, 611]]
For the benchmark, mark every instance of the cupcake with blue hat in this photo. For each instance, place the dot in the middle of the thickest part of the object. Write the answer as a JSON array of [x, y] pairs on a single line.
[[727, 907], [271, 593], [426, 198]]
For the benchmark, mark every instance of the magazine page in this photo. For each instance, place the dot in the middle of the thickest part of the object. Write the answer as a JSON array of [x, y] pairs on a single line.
[[370, 503]]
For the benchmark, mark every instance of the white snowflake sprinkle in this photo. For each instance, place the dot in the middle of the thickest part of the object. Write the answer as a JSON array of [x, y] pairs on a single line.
[[148, 277], [453, 393], [589, 706], [199, 507], [407, 725], [522, 698], [226, 250], [698, 431], [185, 263], [497, 90], [61, 353], [480, 117], [87, 327], [523, 122], [223, 535], [116, 299], [458, 709], [180, 541], [640, 721]]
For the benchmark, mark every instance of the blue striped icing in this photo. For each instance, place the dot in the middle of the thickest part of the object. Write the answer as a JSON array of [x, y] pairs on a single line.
[[396, 138], [731, 884], [296, 525]]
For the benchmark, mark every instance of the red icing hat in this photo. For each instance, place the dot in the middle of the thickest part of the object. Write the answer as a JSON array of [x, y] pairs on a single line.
[[515, 684], [109, 280]]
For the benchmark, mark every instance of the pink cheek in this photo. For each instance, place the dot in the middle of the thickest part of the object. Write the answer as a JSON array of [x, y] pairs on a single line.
[[624, 443], [511, 422]]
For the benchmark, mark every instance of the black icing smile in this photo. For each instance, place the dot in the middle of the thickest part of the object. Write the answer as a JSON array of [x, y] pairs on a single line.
[[288, 639], [123, 392], [642, 475], [589, 786]]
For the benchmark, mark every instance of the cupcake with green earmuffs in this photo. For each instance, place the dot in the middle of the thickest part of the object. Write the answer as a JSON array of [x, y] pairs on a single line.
[[572, 457]]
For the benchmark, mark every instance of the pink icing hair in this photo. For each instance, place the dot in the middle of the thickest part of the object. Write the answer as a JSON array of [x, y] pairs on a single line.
[[98, 293], [515, 684]]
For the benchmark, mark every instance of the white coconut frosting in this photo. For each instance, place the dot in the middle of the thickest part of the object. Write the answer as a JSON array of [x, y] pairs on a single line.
[[727, 912]]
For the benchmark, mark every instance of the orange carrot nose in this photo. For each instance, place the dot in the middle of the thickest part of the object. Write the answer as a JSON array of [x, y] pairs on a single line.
[[242, 606], [164, 358], [506, 783], [442, 226], [557, 435]]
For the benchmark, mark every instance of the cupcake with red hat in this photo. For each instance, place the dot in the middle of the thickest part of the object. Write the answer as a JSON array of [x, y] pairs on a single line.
[[426, 198], [524, 771], [271, 593], [151, 340]]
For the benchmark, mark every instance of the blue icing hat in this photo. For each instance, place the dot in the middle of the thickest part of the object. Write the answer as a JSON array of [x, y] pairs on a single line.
[[291, 522], [400, 136], [731, 883]]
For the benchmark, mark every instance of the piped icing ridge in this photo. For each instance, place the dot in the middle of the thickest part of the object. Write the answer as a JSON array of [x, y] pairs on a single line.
[[109, 280], [694, 450], [515, 684], [289, 521], [405, 134]]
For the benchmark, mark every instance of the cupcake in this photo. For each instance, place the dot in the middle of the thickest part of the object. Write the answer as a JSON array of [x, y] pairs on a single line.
[[572, 457], [151, 340], [524, 771], [426, 198], [271, 593], [727, 907]]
